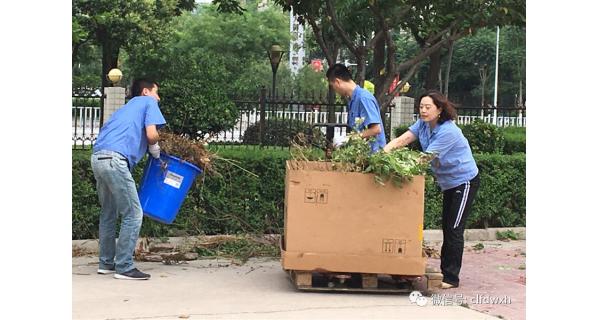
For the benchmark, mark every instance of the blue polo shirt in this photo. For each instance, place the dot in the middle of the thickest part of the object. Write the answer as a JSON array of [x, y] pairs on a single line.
[[363, 105], [454, 164], [125, 131]]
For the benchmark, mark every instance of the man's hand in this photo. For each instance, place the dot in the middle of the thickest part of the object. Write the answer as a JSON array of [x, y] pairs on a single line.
[[154, 150]]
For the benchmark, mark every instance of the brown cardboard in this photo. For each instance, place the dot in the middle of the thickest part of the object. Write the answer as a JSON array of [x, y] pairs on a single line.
[[346, 222]]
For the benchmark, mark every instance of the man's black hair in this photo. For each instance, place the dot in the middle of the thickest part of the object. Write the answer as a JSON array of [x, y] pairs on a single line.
[[140, 84], [340, 71]]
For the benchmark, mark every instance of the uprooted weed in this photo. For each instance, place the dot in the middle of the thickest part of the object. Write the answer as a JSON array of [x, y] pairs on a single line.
[[194, 152], [240, 248], [190, 150]]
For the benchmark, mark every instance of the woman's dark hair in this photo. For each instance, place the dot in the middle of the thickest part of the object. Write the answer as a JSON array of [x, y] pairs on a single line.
[[440, 101], [140, 84]]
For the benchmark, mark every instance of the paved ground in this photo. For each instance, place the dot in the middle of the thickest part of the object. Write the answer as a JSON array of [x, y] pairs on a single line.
[[259, 289], [496, 272]]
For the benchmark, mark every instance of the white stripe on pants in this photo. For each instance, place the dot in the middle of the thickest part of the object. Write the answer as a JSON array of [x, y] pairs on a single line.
[[462, 204]]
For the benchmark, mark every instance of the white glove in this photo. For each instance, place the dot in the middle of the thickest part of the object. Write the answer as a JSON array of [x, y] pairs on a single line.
[[340, 141], [154, 150]]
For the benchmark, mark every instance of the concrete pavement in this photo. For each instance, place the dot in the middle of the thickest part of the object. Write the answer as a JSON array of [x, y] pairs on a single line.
[[217, 289]]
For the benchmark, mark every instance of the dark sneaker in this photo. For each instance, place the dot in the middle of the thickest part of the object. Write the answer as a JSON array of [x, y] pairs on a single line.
[[133, 274], [106, 270]]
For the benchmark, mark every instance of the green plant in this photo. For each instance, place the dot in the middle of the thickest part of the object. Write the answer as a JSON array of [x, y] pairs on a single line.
[[483, 137], [507, 235], [192, 97], [478, 246], [400, 165], [514, 140], [500, 200], [278, 132], [237, 202], [354, 155]]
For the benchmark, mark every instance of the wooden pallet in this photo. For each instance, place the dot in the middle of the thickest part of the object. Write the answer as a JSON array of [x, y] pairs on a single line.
[[363, 282]]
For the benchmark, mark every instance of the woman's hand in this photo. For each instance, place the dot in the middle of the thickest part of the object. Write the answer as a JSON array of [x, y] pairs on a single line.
[[403, 140]]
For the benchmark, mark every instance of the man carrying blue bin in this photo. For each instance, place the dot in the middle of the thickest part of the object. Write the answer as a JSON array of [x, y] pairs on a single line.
[[121, 144]]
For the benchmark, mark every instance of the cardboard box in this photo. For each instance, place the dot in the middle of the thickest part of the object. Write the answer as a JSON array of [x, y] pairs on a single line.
[[346, 222]]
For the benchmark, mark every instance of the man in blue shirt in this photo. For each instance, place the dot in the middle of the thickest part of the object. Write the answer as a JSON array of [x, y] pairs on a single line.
[[362, 108], [121, 144]]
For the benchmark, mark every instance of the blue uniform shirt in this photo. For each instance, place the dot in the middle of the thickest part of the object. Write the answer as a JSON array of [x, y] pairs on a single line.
[[125, 131], [454, 164], [363, 105]]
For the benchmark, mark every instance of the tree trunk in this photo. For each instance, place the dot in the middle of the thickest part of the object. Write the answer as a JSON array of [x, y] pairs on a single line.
[[451, 50], [435, 63], [110, 58], [361, 67], [378, 65]]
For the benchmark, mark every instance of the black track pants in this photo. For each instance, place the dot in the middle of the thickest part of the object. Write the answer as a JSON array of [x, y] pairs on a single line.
[[457, 207]]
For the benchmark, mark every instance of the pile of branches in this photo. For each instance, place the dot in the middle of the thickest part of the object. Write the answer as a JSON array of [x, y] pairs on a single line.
[[191, 150], [399, 165]]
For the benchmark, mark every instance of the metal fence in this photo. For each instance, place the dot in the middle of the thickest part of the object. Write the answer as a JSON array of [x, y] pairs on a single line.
[[261, 112], [502, 117], [86, 114]]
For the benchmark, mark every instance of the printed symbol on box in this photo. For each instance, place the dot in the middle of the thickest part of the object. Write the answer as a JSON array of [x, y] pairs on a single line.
[[388, 246], [400, 247], [173, 179], [394, 246], [310, 195], [321, 195]]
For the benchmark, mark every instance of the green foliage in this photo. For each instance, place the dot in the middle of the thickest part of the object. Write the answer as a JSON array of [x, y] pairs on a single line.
[[278, 132], [193, 99], [85, 203], [240, 40], [507, 235], [237, 202], [115, 24], [478, 246], [311, 82], [514, 140], [478, 50], [400, 165], [484, 137], [500, 201], [354, 155]]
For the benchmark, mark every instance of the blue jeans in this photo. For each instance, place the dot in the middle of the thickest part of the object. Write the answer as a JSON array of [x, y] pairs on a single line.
[[118, 196]]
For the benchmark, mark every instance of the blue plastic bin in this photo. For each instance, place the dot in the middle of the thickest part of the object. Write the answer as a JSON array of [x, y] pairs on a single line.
[[162, 190]]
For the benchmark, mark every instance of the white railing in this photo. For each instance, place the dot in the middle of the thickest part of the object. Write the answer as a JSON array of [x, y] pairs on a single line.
[[500, 121], [251, 117], [85, 125]]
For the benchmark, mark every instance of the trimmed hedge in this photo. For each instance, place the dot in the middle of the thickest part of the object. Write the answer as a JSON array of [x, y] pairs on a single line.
[[278, 132], [237, 202], [514, 140], [485, 138]]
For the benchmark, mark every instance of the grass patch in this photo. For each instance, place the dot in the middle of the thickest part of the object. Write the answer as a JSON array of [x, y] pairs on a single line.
[[507, 235]]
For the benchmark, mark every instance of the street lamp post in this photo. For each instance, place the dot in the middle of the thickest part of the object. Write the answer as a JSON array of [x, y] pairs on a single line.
[[114, 76], [275, 54]]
